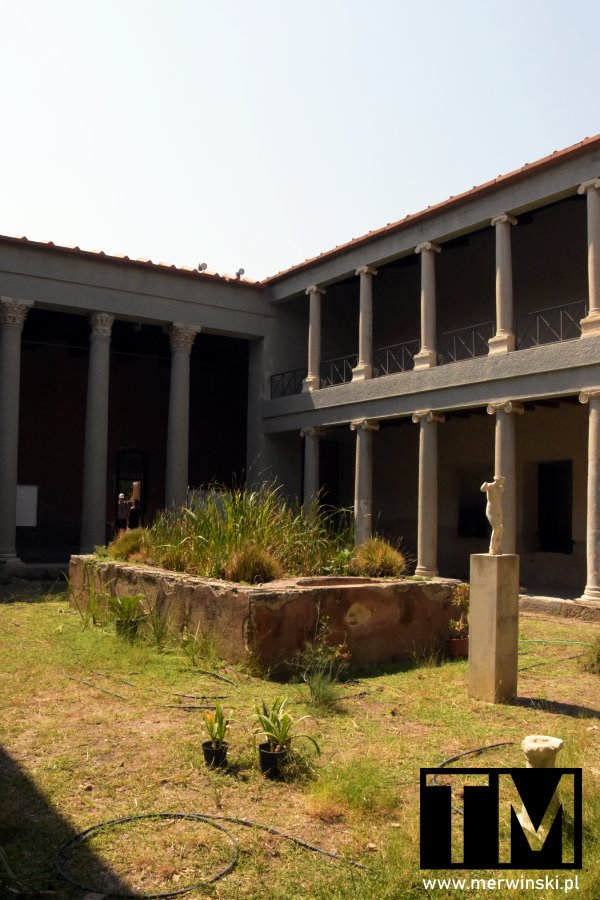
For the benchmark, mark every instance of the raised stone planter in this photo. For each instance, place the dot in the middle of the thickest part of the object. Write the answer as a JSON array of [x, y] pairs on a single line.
[[266, 625]]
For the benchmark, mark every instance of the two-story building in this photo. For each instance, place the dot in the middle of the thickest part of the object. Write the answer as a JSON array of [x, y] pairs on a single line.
[[394, 374]]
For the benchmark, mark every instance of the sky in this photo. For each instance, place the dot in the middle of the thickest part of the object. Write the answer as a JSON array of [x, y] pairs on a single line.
[[256, 134]]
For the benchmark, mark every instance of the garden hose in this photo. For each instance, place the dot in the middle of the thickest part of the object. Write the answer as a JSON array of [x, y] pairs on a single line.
[[474, 752], [65, 850]]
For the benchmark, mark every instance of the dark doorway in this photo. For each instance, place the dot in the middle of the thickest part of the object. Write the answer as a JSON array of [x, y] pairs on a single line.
[[131, 477], [329, 463], [555, 504]]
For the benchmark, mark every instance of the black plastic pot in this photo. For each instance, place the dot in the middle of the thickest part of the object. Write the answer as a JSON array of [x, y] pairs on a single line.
[[270, 760], [216, 757]]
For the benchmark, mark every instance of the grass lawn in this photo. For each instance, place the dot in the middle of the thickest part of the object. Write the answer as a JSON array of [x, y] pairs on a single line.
[[93, 729]]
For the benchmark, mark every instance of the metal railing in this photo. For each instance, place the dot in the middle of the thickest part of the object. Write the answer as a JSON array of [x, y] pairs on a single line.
[[339, 370], [550, 326], [285, 384], [464, 343], [395, 358]]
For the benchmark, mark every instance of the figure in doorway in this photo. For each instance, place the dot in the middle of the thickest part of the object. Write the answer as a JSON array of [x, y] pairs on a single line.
[[135, 514], [122, 514], [493, 510]]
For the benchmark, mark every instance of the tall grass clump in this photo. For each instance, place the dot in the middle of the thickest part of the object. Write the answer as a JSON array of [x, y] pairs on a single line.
[[207, 537], [377, 559]]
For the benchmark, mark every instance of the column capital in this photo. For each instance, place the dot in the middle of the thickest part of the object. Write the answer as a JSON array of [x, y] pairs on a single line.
[[502, 218], [365, 270], [507, 406], [427, 415], [427, 245], [364, 425], [312, 431], [314, 289], [14, 312], [589, 394], [101, 324], [592, 185], [182, 337]]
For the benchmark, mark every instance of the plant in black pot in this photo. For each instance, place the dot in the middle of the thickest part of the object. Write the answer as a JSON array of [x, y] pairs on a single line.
[[277, 725], [216, 725], [458, 623]]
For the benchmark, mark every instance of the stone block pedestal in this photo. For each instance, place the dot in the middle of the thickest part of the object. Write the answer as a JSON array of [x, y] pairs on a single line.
[[493, 627]]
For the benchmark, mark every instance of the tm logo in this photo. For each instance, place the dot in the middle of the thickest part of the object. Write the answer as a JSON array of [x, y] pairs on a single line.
[[541, 805]]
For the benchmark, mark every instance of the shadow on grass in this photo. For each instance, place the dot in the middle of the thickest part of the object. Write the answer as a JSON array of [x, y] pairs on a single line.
[[31, 833], [553, 706], [21, 590]]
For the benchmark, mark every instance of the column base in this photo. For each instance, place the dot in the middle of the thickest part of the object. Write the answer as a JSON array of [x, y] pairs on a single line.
[[10, 564], [590, 326], [503, 342], [362, 372], [311, 383], [423, 572], [425, 359], [591, 594]]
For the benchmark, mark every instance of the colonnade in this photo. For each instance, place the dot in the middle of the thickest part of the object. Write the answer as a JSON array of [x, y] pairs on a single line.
[[504, 340], [13, 313]]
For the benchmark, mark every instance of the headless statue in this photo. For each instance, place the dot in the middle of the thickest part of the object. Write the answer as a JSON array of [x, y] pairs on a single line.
[[493, 510]]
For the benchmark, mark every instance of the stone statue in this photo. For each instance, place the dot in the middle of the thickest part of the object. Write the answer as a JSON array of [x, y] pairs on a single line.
[[493, 510]]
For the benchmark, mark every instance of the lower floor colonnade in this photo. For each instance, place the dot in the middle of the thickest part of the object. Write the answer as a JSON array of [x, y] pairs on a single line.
[[422, 487]]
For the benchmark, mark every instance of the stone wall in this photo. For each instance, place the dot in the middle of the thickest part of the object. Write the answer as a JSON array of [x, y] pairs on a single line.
[[265, 626]]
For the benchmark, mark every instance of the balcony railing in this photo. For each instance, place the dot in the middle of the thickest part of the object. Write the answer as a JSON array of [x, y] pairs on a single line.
[[395, 358], [549, 326], [284, 384], [339, 370], [464, 343]]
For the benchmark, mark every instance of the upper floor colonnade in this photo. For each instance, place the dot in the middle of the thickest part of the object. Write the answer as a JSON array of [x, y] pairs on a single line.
[[13, 314], [502, 341]]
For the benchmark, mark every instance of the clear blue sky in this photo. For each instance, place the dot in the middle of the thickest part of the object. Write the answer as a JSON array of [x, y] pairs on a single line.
[[257, 133]]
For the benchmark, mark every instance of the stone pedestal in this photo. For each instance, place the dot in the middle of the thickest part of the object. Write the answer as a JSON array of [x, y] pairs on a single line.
[[493, 627]]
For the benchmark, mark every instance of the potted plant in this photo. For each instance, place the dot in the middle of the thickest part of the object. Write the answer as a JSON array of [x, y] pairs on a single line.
[[458, 623], [277, 725], [216, 724]]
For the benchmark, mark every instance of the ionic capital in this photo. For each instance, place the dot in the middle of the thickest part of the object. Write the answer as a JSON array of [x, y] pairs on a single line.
[[427, 415], [592, 185], [312, 431], [427, 245], [364, 425], [589, 394], [314, 289], [507, 406], [101, 325], [182, 337], [14, 312], [502, 218], [365, 270]]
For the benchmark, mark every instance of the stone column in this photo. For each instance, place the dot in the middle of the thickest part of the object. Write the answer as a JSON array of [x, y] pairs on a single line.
[[505, 464], [181, 338], [363, 478], [427, 355], [12, 318], [504, 340], [312, 382], [93, 504], [591, 593], [428, 492], [364, 368], [312, 483], [591, 324]]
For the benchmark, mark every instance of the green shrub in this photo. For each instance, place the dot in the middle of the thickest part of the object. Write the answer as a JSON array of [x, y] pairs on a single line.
[[127, 544], [128, 615], [252, 564], [377, 559], [321, 664], [592, 658]]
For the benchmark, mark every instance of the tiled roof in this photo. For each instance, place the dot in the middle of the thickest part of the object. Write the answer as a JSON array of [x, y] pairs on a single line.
[[186, 270], [409, 220], [476, 190]]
